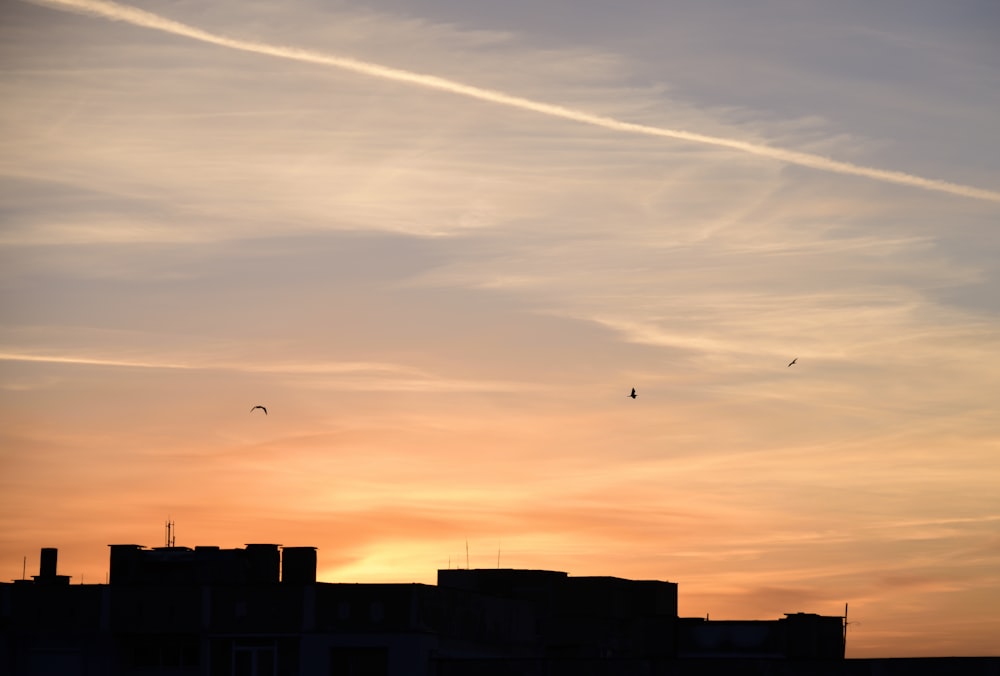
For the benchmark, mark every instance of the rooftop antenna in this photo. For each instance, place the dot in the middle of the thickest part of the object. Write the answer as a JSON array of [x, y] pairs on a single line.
[[24, 568], [171, 535], [845, 628]]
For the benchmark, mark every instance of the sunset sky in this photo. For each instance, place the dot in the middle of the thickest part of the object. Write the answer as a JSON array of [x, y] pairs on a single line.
[[441, 240]]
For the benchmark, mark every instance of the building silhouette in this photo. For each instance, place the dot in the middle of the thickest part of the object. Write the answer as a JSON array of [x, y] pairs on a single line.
[[259, 611]]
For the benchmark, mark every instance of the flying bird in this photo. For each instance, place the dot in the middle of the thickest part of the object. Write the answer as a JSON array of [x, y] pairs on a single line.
[[260, 407], [633, 393], [793, 361]]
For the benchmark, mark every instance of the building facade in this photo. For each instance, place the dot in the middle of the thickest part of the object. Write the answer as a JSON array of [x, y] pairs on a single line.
[[259, 611]]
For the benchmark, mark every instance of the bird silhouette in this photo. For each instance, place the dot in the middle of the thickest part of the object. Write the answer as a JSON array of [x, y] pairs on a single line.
[[793, 361], [633, 393], [260, 407]]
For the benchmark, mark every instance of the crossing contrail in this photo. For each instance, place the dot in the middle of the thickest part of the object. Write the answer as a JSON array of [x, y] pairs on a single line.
[[138, 17]]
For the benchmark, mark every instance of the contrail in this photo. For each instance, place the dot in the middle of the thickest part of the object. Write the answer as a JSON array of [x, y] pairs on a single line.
[[138, 17], [90, 361]]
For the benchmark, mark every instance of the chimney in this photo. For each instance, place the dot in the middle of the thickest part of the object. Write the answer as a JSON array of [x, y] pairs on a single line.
[[298, 565], [47, 568], [126, 564], [264, 563]]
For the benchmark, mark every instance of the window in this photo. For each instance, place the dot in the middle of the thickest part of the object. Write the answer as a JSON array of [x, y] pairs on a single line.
[[163, 650], [354, 661], [255, 660], [254, 656]]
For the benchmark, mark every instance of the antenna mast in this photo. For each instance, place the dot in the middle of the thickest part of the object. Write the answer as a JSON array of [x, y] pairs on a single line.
[[845, 628], [171, 535]]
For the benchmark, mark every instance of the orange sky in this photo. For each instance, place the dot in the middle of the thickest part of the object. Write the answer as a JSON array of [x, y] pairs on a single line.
[[443, 299]]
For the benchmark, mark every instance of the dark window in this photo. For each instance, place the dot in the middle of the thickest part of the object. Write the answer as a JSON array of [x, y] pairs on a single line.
[[254, 661], [254, 656], [163, 650], [372, 661]]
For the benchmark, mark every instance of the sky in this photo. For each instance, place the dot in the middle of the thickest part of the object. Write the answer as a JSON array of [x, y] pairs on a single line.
[[441, 241]]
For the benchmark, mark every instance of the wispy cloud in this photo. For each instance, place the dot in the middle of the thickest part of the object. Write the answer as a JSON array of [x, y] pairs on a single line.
[[351, 376], [137, 17]]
